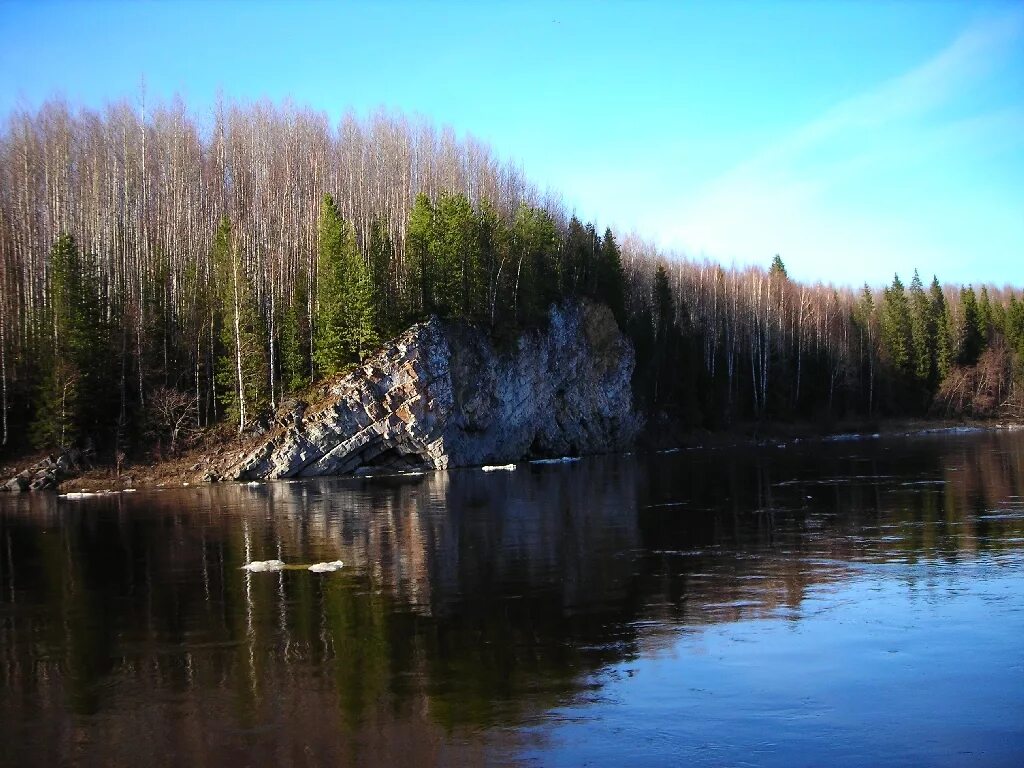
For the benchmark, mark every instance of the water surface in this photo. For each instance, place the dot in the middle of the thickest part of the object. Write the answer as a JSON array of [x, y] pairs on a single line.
[[847, 603]]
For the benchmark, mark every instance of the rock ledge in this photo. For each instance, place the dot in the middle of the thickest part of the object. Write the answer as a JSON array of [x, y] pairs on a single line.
[[441, 395]]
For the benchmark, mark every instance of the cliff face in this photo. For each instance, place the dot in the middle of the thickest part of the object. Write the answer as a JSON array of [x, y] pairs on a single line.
[[441, 395]]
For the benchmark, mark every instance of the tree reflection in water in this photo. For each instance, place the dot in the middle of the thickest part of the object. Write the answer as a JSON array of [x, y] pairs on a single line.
[[471, 603]]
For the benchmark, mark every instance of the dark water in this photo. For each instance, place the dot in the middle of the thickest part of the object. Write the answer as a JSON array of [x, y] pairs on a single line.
[[833, 604]]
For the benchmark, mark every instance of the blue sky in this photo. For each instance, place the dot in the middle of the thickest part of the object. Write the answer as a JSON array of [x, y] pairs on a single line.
[[854, 139]]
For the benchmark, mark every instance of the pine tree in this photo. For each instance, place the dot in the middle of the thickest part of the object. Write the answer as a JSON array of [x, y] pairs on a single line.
[[455, 256], [986, 316], [241, 366], [922, 331], [329, 344], [358, 304], [611, 280], [1015, 325], [971, 339], [576, 257], [346, 328], [74, 394], [943, 360], [417, 293], [533, 275], [896, 328]]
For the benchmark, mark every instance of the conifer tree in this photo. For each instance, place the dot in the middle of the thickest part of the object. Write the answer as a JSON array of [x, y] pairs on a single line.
[[1015, 325], [345, 325], [576, 256], [241, 367], [417, 293], [533, 277], [455, 257], [896, 327], [943, 361], [922, 332], [971, 339], [611, 281], [73, 391], [986, 318], [330, 352], [358, 304]]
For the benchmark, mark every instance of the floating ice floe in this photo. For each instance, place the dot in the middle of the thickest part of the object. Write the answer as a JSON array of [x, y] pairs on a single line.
[[333, 565], [78, 495], [498, 467], [253, 484], [257, 566], [563, 460]]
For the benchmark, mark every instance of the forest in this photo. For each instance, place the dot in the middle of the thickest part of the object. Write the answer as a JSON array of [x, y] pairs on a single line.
[[162, 274]]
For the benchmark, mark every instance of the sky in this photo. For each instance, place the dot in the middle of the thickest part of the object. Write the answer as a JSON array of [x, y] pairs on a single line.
[[854, 139]]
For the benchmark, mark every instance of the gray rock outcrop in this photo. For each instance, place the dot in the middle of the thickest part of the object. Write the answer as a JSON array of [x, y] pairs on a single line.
[[48, 473], [444, 395]]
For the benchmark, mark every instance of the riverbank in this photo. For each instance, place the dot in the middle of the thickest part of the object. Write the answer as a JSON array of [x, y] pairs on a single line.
[[200, 465]]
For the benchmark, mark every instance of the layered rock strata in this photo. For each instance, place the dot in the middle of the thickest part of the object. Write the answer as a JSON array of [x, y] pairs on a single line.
[[444, 395]]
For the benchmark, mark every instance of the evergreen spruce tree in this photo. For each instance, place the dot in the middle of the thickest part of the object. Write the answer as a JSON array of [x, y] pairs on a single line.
[[358, 305], [986, 316], [74, 393], [242, 375], [576, 258], [346, 328], [330, 352], [611, 280], [455, 256], [922, 332], [533, 274], [896, 328], [1015, 325], [943, 360], [417, 293], [971, 339]]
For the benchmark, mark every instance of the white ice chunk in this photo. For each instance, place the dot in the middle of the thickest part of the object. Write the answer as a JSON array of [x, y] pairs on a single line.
[[334, 565], [263, 565]]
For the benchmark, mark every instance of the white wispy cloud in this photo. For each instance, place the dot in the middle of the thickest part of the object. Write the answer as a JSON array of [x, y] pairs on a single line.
[[800, 196]]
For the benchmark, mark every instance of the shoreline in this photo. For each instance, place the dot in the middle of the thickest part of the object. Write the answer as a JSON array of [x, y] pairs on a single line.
[[190, 469]]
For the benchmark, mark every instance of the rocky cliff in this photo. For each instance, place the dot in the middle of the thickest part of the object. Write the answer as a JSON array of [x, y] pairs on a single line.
[[442, 395]]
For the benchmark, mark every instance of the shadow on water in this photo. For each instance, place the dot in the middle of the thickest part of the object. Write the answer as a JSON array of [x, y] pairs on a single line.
[[472, 604]]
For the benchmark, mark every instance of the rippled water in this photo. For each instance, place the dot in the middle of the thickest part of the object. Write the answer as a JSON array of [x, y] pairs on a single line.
[[846, 603]]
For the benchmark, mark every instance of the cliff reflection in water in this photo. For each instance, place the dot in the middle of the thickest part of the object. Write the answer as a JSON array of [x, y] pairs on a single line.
[[471, 603]]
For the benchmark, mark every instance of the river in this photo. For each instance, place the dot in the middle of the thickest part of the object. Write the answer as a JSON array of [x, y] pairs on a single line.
[[840, 603]]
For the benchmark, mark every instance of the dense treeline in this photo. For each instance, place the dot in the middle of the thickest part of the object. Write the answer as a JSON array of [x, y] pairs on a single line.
[[759, 345], [159, 275]]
